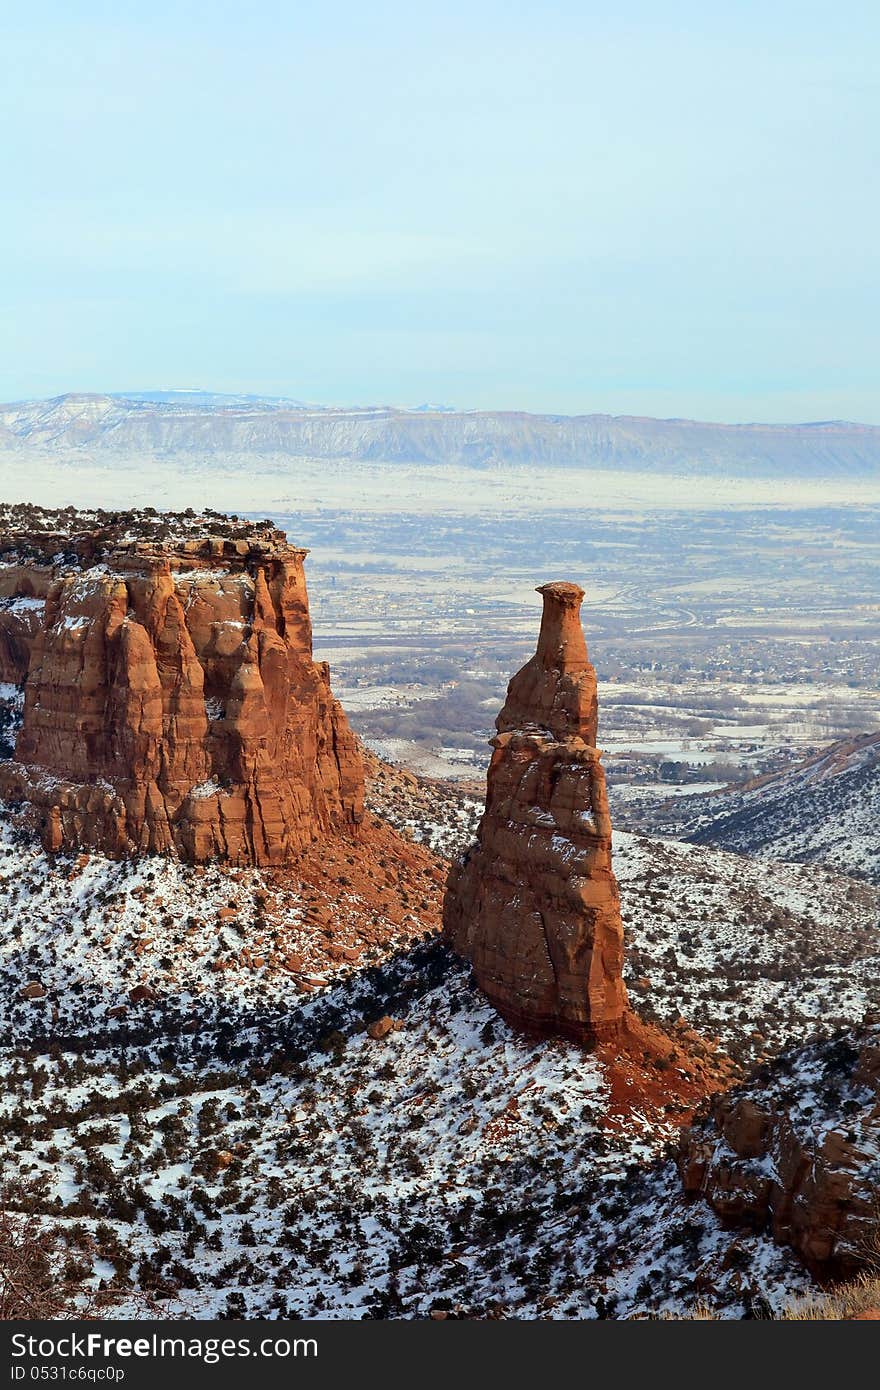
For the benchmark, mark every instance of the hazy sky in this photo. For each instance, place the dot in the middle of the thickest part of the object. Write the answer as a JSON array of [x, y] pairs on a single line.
[[658, 208]]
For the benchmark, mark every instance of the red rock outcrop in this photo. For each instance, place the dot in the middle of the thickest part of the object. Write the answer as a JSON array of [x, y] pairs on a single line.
[[23, 590], [534, 903], [797, 1152], [172, 703]]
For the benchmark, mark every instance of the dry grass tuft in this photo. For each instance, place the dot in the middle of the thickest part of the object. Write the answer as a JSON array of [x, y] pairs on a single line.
[[854, 1299]]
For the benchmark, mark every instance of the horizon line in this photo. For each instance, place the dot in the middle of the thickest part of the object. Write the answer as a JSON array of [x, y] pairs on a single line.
[[146, 396]]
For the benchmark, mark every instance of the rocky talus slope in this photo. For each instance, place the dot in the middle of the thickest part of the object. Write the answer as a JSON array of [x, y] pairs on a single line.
[[534, 904], [171, 702]]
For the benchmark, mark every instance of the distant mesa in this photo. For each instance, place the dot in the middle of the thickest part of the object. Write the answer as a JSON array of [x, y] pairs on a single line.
[[171, 703], [148, 423], [534, 903]]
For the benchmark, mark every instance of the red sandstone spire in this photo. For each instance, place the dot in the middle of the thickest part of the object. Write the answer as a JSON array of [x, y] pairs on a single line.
[[561, 644], [533, 904], [556, 689]]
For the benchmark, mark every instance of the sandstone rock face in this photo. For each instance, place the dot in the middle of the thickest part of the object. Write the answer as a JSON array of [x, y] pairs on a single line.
[[556, 690], [534, 903], [797, 1152], [171, 700], [23, 590]]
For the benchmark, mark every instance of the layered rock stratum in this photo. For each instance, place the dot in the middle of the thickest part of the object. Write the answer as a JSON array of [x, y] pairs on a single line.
[[533, 904], [171, 702]]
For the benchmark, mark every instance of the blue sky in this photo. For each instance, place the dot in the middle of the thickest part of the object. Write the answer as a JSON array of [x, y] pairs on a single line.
[[662, 209]]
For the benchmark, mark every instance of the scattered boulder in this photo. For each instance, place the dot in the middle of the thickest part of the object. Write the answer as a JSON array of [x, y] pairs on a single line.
[[34, 989], [380, 1028], [142, 994]]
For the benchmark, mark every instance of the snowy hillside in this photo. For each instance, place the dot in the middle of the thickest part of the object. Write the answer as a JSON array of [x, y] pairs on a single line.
[[382, 1145], [317, 1171], [826, 811]]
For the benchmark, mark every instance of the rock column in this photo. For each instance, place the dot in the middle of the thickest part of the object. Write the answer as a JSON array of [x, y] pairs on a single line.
[[533, 904]]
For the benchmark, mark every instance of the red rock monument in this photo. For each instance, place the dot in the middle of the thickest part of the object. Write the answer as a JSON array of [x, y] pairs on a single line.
[[534, 903], [171, 699]]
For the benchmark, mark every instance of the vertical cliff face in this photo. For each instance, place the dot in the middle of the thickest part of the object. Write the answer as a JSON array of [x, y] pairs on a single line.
[[171, 699], [534, 903]]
